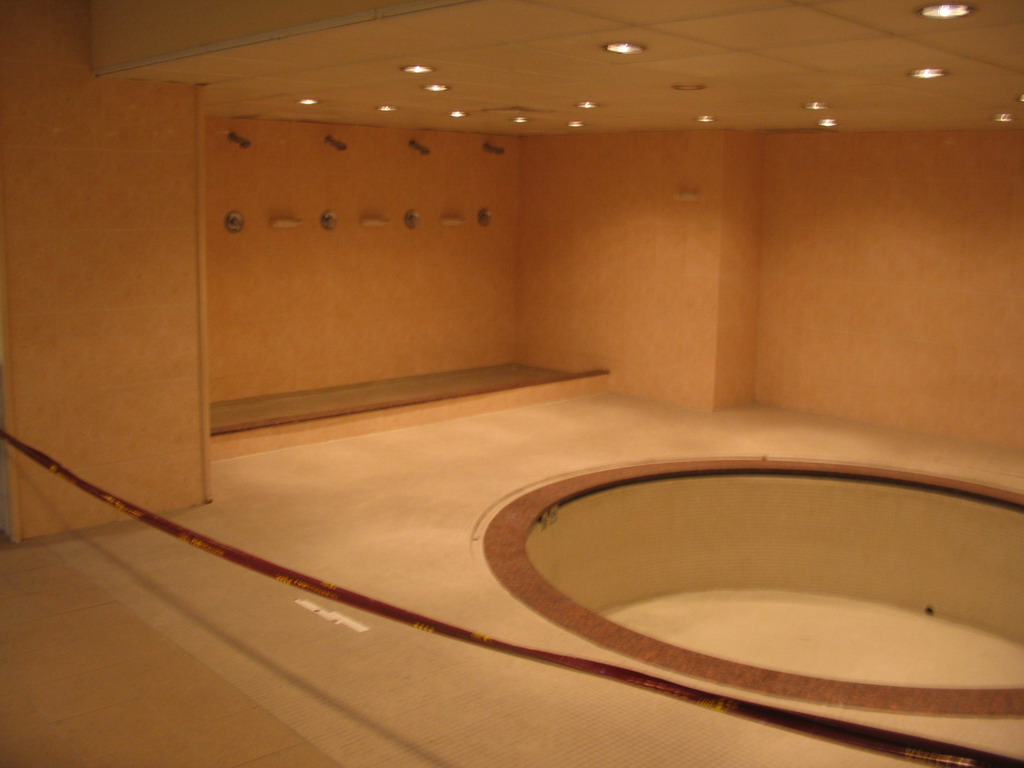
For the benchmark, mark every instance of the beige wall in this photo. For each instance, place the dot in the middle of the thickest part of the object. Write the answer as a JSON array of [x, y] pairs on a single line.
[[616, 273], [303, 308], [893, 280], [739, 269], [100, 247]]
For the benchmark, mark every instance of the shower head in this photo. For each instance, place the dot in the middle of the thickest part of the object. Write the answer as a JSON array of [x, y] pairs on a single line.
[[339, 145], [419, 147], [243, 143]]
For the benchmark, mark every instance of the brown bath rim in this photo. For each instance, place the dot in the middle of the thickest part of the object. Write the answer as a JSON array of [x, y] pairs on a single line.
[[505, 551]]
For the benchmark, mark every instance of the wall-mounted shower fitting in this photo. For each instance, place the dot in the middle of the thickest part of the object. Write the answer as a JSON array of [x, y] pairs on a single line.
[[242, 142], [419, 147], [488, 147], [328, 220], [411, 219], [336, 143], [483, 217], [234, 221]]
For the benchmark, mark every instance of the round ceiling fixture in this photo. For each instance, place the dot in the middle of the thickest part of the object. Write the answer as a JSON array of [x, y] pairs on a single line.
[[945, 11], [626, 49], [928, 73]]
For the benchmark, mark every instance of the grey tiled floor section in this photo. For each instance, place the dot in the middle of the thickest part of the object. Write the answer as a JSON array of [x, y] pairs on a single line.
[[120, 646]]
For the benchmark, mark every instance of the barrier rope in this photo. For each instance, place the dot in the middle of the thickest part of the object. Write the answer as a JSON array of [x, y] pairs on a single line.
[[906, 746]]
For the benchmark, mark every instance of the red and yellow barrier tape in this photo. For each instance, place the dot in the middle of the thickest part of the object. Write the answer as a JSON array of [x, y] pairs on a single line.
[[913, 748]]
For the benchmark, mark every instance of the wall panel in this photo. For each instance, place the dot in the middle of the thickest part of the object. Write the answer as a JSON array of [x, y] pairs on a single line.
[[893, 280]]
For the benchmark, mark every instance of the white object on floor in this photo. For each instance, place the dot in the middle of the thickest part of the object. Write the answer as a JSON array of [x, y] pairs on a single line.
[[332, 616]]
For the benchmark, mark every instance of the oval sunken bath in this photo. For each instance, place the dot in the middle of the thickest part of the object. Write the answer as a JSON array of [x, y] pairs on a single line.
[[846, 585]]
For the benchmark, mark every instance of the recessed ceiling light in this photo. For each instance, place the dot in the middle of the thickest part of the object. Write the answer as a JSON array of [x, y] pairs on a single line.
[[520, 119], [458, 113], [575, 124], [689, 87], [386, 108], [945, 11], [928, 73], [436, 87], [706, 118], [588, 105], [627, 49], [828, 122], [1005, 117], [417, 69], [309, 102], [815, 105]]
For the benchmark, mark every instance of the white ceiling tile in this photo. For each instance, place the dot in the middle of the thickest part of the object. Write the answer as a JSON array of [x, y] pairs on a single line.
[[903, 19], [657, 11], [760, 60], [853, 55], [770, 29], [495, 22], [725, 65], [1002, 45], [659, 44]]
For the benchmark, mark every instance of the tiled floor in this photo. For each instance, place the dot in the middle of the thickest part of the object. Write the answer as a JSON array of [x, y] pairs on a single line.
[[121, 646]]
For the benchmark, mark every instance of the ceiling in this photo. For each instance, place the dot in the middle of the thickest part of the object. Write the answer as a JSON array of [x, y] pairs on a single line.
[[758, 62]]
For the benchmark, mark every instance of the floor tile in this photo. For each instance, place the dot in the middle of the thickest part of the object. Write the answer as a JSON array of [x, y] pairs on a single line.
[[299, 756], [242, 737], [109, 730], [223, 669], [79, 694]]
